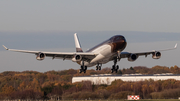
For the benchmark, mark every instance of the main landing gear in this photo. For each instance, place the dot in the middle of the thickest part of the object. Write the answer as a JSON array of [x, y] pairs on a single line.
[[98, 67], [115, 67], [83, 68]]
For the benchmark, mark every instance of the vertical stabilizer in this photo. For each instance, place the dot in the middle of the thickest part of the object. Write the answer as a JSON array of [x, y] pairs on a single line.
[[77, 44]]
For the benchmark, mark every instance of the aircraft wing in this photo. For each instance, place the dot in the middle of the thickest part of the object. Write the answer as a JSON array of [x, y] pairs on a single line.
[[63, 55], [127, 54]]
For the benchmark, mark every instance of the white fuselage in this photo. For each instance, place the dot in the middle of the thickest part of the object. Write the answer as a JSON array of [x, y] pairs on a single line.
[[105, 51], [104, 55]]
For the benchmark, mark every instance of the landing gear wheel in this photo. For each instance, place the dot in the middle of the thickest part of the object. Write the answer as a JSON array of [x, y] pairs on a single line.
[[117, 67], [116, 70], [113, 68], [96, 67], [83, 69], [80, 70]]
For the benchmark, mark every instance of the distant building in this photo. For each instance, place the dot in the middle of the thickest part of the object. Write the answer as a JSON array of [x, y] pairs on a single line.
[[108, 78]]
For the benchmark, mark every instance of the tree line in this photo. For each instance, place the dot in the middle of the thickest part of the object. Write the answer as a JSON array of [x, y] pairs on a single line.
[[58, 84]]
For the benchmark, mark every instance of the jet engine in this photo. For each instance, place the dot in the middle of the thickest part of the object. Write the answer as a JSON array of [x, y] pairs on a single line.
[[132, 57], [40, 56], [77, 58], [156, 55]]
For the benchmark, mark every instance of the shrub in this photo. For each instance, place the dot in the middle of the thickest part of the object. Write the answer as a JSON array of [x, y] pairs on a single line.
[[121, 95], [170, 93]]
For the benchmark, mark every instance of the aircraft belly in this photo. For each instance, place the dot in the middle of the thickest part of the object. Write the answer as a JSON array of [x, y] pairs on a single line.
[[100, 59], [103, 57]]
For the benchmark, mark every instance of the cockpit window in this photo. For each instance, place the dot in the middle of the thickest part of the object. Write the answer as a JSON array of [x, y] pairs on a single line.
[[117, 38]]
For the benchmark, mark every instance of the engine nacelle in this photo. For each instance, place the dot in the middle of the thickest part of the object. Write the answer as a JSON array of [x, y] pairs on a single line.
[[40, 56], [77, 58], [156, 55], [132, 57]]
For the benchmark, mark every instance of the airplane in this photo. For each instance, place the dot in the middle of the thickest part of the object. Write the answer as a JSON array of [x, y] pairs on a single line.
[[109, 50]]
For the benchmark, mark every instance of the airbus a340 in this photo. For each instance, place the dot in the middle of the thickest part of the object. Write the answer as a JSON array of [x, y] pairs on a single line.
[[109, 50]]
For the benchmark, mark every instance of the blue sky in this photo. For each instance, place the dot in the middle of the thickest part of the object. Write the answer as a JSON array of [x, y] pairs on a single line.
[[50, 25]]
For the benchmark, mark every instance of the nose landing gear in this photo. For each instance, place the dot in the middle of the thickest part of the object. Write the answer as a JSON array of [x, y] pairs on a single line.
[[98, 67]]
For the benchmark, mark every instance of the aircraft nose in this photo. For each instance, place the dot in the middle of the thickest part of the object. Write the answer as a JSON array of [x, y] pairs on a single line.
[[122, 39], [119, 44]]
